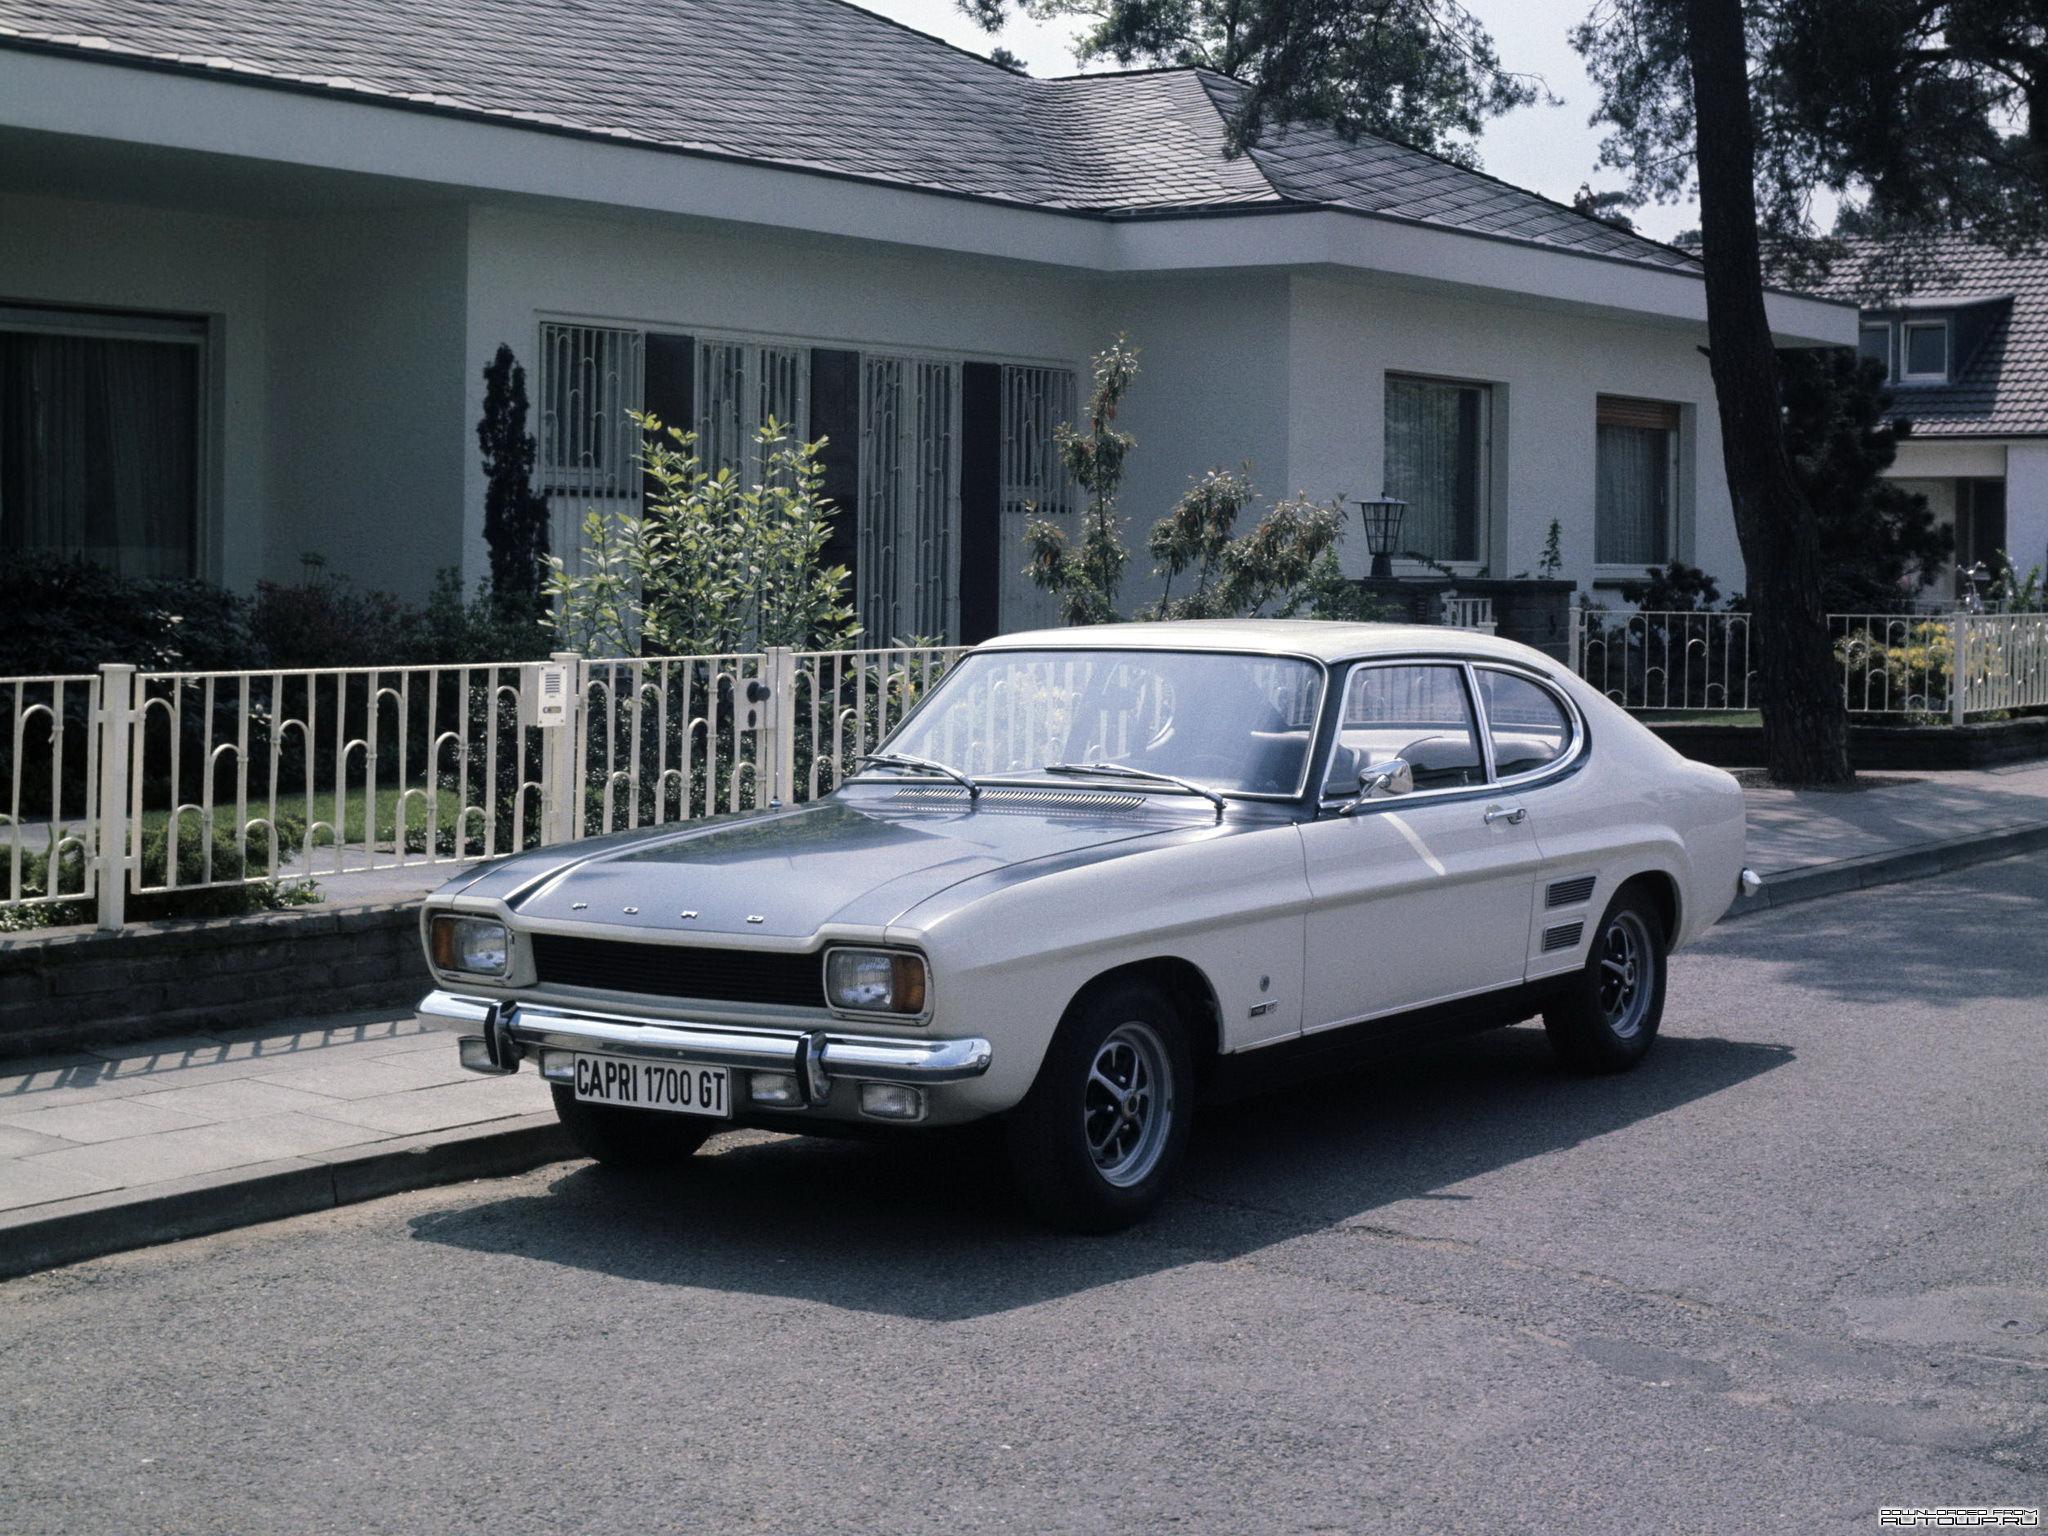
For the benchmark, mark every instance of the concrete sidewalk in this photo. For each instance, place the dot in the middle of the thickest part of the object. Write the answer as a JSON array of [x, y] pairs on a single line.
[[137, 1144]]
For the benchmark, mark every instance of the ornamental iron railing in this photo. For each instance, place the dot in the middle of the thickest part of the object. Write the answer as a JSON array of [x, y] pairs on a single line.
[[1947, 665], [144, 783]]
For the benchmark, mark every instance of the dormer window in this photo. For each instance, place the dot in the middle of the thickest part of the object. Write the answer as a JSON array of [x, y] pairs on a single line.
[[1924, 349]]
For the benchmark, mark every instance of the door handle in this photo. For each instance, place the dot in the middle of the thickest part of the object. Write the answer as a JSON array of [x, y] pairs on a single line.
[[1514, 818]]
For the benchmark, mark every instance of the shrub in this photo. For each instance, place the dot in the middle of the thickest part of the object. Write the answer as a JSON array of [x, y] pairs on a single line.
[[64, 615], [715, 566]]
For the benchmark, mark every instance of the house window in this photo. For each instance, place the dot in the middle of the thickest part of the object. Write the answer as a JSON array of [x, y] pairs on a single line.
[[1436, 462], [1636, 479], [1875, 342], [591, 379], [907, 570], [1925, 346], [100, 438]]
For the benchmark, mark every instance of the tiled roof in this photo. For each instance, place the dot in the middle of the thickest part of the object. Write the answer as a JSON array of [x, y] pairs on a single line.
[[811, 84], [2002, 390]]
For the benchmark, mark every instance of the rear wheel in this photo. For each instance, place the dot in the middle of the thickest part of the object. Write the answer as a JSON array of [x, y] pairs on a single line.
[[630, 1138], [1096, 1141], [1606, 1020]]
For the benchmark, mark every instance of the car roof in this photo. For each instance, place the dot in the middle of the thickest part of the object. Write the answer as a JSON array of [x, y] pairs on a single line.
[[1321, 639]]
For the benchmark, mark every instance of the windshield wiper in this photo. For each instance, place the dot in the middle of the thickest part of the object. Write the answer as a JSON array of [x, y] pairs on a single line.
[[1119, 771], [904, 760]]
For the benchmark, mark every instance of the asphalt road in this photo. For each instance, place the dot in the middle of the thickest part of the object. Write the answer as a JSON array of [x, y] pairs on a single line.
[[1793, 1269]]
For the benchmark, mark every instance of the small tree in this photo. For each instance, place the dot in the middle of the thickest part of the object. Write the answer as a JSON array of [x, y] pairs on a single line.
[[1288, 561], [1879, 542], [515, 515], [716, 566], [1088, 579]]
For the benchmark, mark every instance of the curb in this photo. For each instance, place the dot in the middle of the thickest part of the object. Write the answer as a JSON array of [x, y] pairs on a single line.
[[68, 1231], [1915, 863]]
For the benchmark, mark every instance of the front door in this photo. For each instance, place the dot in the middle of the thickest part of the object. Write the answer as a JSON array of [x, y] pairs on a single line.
[[1418, 898]]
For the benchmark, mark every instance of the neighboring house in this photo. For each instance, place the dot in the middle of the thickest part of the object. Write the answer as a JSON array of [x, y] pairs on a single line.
[[1965, 350], [258, 252]]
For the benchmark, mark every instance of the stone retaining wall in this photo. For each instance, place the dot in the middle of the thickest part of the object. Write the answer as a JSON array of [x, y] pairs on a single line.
[[71, 988], [1875, 748]]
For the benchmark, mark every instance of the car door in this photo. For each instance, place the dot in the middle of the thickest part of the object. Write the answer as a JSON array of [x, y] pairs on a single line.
[[1422, 897], [1533, 734]]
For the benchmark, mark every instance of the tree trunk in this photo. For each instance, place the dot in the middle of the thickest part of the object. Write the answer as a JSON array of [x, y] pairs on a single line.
[[1806, 726]]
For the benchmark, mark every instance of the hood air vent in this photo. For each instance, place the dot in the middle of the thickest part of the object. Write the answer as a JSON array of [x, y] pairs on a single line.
[[1569, 893], [1024, 799]]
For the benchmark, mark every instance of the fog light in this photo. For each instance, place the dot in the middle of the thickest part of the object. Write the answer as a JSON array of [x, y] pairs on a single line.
[[777, 1090], [891, 1101], [558, 1066]]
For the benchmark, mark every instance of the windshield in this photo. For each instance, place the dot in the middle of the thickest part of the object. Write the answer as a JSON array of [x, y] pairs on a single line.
[[1239, 723]]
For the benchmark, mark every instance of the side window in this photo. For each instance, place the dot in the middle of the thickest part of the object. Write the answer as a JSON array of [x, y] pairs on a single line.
[[1420, 713], [1529, 728]]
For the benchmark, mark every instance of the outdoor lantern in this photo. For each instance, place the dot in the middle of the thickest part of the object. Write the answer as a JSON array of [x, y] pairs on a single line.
[[1383, 530]]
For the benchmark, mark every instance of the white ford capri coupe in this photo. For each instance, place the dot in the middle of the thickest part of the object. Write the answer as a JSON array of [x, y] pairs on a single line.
[[1101, 875]]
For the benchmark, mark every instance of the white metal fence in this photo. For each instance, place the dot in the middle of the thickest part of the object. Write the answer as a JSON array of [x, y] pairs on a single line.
[[1951, 665], [132, 783]]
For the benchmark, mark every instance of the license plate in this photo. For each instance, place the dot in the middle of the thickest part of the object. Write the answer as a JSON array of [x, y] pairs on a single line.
[[654, 1085]]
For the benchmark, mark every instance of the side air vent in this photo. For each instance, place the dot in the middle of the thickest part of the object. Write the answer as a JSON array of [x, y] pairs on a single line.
[[1569, 893], [1563, 936]]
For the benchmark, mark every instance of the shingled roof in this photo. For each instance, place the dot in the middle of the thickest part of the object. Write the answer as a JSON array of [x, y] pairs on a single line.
[[2002, 389], [814, 85]]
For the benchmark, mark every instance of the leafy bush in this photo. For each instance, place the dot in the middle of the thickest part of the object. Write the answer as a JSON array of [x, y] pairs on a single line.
[[67, 616], [716, 565], [232, 859]]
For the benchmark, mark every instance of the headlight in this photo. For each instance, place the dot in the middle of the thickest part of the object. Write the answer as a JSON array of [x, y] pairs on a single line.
[[875, 980], [478, 945]]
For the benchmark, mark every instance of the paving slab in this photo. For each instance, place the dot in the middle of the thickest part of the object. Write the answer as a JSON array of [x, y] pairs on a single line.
[[131, 1122], [1797, 828]]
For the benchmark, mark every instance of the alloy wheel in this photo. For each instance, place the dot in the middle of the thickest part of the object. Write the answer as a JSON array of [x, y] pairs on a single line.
[[1626, 965], [1128, 1108]]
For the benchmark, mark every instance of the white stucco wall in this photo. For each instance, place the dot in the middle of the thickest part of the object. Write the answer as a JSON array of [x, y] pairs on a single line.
[[1546, 369], [115, 256], [370, 423], [692, 277], [2026, 505]]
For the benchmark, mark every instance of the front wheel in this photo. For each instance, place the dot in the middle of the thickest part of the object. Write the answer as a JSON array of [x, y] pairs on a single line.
[[630, 1138], [1606, 1019], [1096, 1141]]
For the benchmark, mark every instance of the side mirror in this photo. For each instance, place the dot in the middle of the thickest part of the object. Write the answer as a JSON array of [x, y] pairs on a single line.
[[1382, 781]]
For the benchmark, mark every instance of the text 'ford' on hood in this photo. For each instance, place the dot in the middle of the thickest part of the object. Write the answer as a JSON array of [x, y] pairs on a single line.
[[848, 860]]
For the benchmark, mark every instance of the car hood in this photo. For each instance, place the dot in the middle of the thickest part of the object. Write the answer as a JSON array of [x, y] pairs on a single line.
[[786, 874]]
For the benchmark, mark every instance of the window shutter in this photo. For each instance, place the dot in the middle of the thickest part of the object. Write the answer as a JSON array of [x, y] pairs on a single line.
[[1657, 415], [981, 492]]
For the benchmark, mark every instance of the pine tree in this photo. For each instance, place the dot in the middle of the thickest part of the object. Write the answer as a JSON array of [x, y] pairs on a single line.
[[515, 515]]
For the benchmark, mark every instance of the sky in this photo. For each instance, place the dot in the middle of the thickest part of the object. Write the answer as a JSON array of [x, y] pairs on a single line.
[[1548, 149]]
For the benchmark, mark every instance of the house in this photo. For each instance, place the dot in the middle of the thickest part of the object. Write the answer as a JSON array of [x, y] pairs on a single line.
[[257, 253], [1962, 332]]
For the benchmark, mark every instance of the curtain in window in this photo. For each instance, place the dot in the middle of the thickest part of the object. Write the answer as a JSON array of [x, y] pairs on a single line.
[[1435, 440], [1632, 519], [99, 450]]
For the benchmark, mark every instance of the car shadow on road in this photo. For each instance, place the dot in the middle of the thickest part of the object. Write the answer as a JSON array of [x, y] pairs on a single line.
[[931, 1231]]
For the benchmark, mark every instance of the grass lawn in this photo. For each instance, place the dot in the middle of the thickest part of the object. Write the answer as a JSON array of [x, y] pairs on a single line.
[[320, 809]]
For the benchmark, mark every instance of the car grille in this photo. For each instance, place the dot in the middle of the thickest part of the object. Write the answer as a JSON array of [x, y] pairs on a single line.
[[680, 970]]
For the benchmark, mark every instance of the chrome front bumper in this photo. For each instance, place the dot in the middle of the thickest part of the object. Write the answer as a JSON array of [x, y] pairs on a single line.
[[814, 1057]]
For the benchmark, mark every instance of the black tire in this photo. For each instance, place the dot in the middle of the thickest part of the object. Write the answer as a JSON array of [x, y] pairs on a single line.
[[1094, 1150], [631, 1138], [1606, 1018]]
